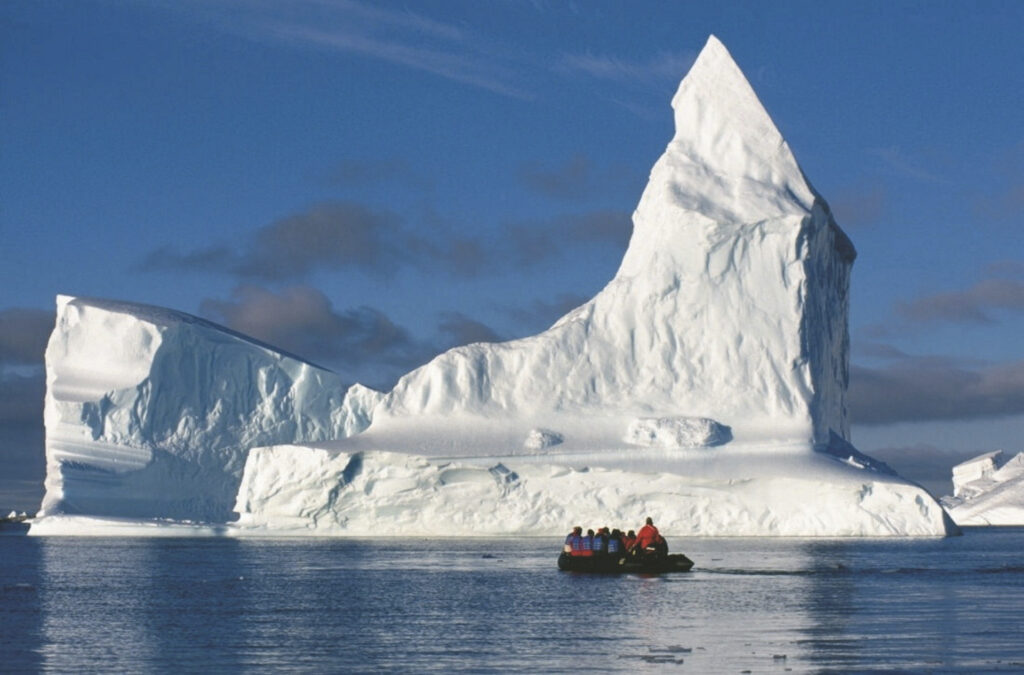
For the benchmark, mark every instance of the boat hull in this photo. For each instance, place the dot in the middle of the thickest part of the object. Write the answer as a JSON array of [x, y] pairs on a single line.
[[676, 562]]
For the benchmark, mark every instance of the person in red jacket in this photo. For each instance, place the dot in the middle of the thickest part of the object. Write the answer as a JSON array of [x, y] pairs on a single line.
[[649, 537]]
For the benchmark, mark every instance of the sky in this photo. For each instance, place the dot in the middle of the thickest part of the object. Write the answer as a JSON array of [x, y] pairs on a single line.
[[368, 184]]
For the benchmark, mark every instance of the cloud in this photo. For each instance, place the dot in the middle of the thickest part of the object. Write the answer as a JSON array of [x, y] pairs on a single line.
[[973, 305], [534, 242], [334, 235], [541, 314], [928, 465], [572, 179], [659, 69], [349, 236], [23, 335], [397, 36], [459, 329], [1006, 269], [917, 390], [364, 172], [362, 343], [903, 164], [21, 398]]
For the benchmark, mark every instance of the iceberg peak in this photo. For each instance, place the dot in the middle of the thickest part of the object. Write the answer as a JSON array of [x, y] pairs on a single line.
[[722, 125]]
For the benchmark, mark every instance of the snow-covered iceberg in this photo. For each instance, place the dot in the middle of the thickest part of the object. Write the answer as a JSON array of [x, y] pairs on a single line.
[[149, 413], [705, 385], [988, 490]]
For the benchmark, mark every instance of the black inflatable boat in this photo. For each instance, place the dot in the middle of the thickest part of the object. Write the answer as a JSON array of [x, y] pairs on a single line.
[[677, 562]]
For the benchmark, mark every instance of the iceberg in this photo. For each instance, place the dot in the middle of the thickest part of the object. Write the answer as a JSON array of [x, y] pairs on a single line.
[[988, 490], [149, 412], [705, 386]]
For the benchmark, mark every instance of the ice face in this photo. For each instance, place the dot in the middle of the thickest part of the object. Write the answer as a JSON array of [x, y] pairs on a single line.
[[150, 412], [988, 490], [730, 304]]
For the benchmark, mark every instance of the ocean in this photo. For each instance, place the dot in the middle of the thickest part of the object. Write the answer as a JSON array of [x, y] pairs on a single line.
[[752, 605]]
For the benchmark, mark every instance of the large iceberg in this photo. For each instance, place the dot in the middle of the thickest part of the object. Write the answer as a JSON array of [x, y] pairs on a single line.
[[988, 490], [705, 385]]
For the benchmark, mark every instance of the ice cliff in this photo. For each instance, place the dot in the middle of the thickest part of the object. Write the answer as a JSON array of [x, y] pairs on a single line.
[[150, 412], [988, 490], [705, 385]]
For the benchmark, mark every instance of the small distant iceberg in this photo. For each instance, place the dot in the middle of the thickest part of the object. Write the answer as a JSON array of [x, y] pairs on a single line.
[[988, 490]]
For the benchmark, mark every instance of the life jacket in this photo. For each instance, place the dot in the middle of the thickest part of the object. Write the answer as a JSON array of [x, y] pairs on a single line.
[[575, 543], [587, 545], [600, 543], [614, 546]]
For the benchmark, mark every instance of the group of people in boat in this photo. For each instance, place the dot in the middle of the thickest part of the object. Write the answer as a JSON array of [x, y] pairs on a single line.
[[647, 542]]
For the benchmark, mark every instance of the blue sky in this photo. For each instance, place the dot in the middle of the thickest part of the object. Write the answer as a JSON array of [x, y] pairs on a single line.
[[369, 183]]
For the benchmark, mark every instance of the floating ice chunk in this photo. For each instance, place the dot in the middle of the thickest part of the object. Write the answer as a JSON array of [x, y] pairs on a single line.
[[677, 432], [538, 439]]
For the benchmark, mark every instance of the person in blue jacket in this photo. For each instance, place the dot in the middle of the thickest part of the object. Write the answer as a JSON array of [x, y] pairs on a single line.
[[574, 541]]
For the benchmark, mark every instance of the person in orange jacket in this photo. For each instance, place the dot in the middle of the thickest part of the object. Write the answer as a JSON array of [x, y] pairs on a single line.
[[649, 537]]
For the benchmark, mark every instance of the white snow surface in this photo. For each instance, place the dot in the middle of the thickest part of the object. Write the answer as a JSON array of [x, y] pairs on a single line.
[[150, 412], [299, 490], [721, 344], [988, 490]]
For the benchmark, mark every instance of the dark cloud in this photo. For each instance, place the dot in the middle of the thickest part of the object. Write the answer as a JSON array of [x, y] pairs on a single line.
[[346, 235], [334, 235], [23, 335], [459, 329], [326, 236], [532, 243], [541, 314], [917, 390], [364, 172], [361, 343], [1006, 269], [860, 205], [570, 180], [974, 305], [21, 398]]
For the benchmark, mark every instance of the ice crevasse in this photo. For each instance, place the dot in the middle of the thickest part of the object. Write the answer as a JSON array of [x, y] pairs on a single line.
[[704, 386]]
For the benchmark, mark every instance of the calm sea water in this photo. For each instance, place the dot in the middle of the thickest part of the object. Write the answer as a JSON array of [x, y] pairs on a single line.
[[750, 605]]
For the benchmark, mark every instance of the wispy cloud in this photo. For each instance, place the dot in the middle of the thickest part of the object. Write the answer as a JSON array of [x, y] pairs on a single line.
[[399, 36], [908, 165], [662, 68]]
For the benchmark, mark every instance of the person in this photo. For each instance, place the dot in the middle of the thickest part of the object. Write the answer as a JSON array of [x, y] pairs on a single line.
[[587, 548], [601, 541], [574, 541], [615, 545], [629, 541], [649, 538]]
